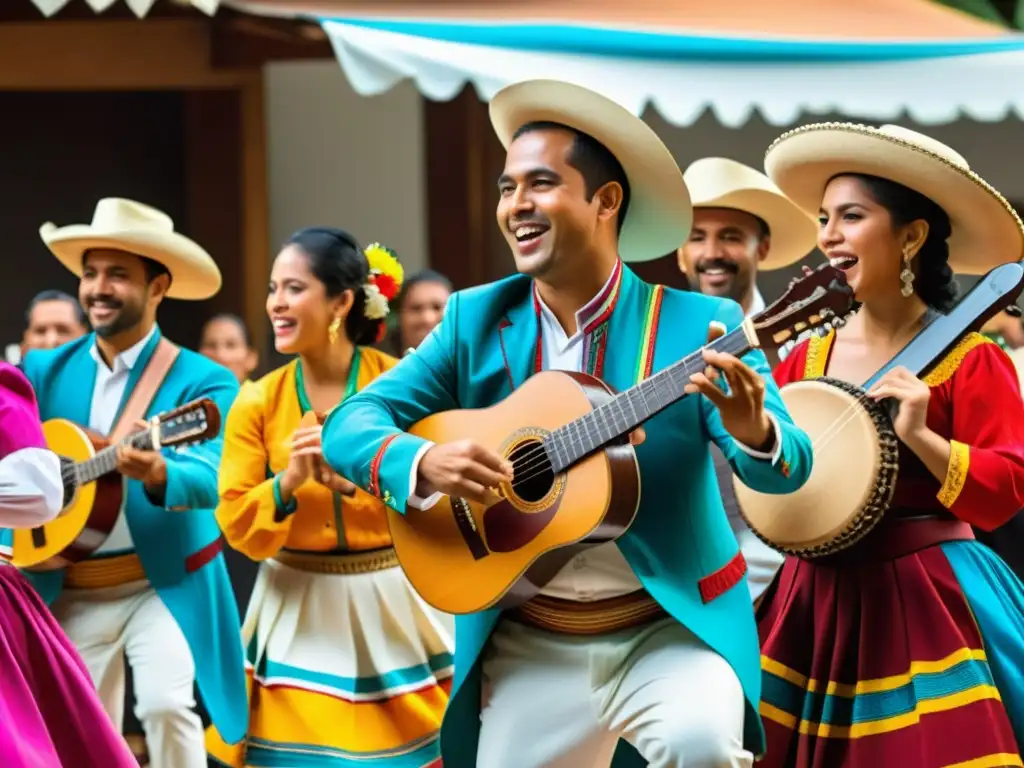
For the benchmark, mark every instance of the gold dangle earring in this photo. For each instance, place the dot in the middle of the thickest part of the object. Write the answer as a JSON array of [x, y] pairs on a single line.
[[907, 277], [332, 330]]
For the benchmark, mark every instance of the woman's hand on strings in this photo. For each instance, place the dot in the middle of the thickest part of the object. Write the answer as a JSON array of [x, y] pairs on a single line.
[[913, 396], [742, 411]]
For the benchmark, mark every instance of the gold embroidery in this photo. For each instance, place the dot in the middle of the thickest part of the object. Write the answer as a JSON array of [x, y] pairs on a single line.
[[945, 370], [956, 473], [348, 563], [818, 348], [101, 572]]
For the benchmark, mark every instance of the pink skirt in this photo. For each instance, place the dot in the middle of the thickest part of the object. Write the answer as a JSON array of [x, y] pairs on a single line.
[[51, 714]]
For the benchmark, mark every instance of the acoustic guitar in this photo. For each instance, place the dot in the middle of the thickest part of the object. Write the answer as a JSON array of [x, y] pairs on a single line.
[[576, 481], [93, 489]]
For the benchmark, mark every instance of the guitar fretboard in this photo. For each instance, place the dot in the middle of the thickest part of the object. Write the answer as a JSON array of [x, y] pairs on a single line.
[[629, 409], [105, 461]]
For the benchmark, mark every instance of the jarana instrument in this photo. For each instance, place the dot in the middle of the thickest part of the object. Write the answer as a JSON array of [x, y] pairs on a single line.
[[576, 480], [89, 464], [856, 450]]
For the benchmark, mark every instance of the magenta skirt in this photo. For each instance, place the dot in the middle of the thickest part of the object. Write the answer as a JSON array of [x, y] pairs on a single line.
[[51, 714]]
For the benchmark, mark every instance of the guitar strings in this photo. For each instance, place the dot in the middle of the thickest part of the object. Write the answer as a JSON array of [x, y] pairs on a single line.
[[536, 469]]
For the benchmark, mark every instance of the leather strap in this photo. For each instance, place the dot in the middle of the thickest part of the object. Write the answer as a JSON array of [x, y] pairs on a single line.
[[145, 389]]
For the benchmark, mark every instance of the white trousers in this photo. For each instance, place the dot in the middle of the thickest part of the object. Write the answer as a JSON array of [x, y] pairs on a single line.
[[110, 623], [555, 701]]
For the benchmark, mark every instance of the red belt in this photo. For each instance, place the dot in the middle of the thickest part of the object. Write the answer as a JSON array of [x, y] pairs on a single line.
[[899, 537]]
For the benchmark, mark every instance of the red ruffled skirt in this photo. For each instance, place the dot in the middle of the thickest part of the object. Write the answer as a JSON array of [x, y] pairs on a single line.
[[883, 664]]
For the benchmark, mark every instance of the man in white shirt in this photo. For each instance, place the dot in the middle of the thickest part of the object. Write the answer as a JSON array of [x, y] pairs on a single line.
[[155, 589], [742, 223], [649, 639]]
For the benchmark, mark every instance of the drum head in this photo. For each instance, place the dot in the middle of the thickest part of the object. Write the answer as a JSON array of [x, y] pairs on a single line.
[[847, 459]]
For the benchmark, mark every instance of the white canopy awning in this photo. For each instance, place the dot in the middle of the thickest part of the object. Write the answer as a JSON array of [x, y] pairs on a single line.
[[139, 7], [682, 76]]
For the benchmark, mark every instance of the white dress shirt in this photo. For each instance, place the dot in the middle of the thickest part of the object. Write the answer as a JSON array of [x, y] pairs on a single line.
[[106, 398], [602, 571]]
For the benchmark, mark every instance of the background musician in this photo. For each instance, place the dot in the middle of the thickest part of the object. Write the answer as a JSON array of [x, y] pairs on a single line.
[[156, 589], [913, 636], [670, 660], [742, 223], [52, 318]]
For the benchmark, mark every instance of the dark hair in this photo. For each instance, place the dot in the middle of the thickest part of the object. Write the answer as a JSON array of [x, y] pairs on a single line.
[[338, 262], [53, 295], [231, 318], [426, 276], [591, 158], [933, 277]]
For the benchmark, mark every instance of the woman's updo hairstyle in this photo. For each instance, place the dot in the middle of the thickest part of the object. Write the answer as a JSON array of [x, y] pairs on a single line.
[[933, 277], [337, 261]]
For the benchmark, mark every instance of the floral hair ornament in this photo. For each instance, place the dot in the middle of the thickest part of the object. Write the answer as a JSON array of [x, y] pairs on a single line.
[[384, 282]]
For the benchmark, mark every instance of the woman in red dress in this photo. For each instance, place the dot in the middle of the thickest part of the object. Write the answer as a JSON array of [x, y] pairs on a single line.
[[906, 649]]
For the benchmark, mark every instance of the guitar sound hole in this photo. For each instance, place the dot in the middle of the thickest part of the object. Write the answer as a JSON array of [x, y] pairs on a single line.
[[532, 476]]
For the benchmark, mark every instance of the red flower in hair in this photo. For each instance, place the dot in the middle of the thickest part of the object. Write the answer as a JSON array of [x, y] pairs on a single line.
[[387, 285]]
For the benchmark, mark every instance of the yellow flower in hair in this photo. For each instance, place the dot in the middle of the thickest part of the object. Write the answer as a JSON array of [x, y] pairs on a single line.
[[385, 270]]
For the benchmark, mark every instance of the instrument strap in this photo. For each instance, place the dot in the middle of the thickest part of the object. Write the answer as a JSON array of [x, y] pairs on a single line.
[[149, 382]]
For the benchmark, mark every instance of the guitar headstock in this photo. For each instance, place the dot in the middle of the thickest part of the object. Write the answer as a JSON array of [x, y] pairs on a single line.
[[190, 423], [819, 297]]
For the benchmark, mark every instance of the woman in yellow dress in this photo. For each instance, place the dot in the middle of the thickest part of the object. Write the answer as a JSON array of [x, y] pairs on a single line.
[[347, 662]]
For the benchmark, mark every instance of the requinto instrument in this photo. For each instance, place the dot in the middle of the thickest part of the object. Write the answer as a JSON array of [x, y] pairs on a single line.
[[856, 450], [96, 490], [575, 480]]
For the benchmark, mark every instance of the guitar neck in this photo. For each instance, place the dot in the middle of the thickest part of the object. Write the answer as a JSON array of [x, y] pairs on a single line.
[[631, 408], [105, 460]]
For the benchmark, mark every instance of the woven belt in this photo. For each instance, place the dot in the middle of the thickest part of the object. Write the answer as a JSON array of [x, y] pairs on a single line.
[[339, 562], [571, 617], [101, 572]]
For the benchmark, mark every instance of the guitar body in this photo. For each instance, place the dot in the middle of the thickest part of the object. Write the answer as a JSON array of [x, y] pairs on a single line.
[[86, 521], [462, 557]]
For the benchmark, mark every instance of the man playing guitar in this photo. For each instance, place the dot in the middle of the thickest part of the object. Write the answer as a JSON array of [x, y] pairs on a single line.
[[584, 183], [156, 589]]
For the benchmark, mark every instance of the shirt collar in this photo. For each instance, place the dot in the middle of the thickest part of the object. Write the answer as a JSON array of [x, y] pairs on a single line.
[[127, 359], [597, 309], [757, 304]]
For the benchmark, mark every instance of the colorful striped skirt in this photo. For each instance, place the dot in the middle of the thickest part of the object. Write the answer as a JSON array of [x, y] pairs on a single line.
[[915, 662], [51, 713], [345, 667]]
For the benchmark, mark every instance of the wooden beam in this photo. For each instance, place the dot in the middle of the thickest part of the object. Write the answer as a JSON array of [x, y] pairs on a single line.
[[110, 55], [247, 41], [255, 212]]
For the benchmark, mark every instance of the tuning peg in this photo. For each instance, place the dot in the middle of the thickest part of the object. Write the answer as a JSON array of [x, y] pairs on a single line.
[[838, 322]]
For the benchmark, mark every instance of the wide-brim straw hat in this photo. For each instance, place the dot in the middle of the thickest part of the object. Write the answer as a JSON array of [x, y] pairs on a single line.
[[126, 225], [659, 216], [986, 230], [718, 182]]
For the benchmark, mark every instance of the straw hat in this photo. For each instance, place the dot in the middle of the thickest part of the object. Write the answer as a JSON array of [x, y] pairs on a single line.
[[659, 217], [125, 225], [986, 231], [717, 182]]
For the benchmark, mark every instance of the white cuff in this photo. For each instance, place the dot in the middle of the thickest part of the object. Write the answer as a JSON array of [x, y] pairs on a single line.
[[31, 489], [415, 501], [774, 457]]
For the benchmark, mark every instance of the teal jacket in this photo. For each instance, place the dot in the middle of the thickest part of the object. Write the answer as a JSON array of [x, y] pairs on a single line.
[[179, 544], [680, 546]]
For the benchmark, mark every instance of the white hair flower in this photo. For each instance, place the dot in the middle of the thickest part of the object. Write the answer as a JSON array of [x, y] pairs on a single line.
[[376, 303]]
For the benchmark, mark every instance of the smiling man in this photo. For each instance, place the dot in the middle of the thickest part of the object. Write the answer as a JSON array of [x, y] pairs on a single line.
[[645, 644], [155, 590], [741, 223]]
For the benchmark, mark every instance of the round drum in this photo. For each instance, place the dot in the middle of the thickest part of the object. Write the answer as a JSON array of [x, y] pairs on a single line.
[[856, 457]]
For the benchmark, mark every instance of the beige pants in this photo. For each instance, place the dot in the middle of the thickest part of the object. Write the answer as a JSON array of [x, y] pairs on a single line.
[[110, 623], [554, 701]]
